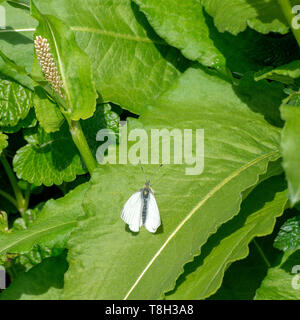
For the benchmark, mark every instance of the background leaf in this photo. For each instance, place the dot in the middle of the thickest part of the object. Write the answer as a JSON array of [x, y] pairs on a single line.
[[15, 102], [3, 142], [48, 158], [47, 112], [52, 158], [236, 153], [290, 112], [132, 66], [182, 24], [16, 40], [43, 282], [277, 285], [256, 218], [285, 74], [51, 229], [288, 237], [262, 15]]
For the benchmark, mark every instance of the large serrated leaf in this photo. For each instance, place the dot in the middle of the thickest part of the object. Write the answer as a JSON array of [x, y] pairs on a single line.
[[48, 158], [132, 66], [29, 122], [53, 158], [239, 144], [15, 103], [183, 25], [75, 69], [256, 218]]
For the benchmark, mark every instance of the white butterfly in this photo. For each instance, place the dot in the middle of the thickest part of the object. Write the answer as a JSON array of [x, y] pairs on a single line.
[[141, 209]]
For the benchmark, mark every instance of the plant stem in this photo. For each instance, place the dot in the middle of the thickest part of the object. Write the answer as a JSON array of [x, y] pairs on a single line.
[[288, 13], [21, 203], [82, 145], [262, 253], [9, 198]]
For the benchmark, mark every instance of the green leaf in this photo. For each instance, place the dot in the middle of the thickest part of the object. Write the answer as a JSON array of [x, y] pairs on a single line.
[[3, 222], [282, 281], [243, 277], [43, 282], [52, 158], [285, 74], [48, 158], [239, 144], [263, 97], [262, 15], [16, 40], [23, 4], [3, 142], [256, 218], [15, 103], [47, 112], [29, 122], [18, 73], [51, 229], [132, 66], [290, 112], [75, 69], [288, 237], [182, 24]]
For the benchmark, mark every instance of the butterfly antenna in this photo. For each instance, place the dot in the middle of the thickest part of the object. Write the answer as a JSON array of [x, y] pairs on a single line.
[[157, 173], [144, 173]]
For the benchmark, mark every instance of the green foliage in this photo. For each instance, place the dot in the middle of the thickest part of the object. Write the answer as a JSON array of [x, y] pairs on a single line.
[[17, 45], [50, 230], [285, 74], [3, 142], [256, 218], [52, 158], [281, 282], [75, 69], [47, 112], [290, 112], [131, 64], [262, 15], [288, 237], [43, 282], [48, 158], [196, 45], [15, 103], [230, 223], [196, 93]]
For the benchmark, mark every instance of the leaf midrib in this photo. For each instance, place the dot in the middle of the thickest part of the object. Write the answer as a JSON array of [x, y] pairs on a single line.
[[118, 35], [194, 210]]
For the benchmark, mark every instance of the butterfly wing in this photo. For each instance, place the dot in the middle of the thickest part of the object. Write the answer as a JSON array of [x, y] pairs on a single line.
[[132, 212], [153, 217]]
